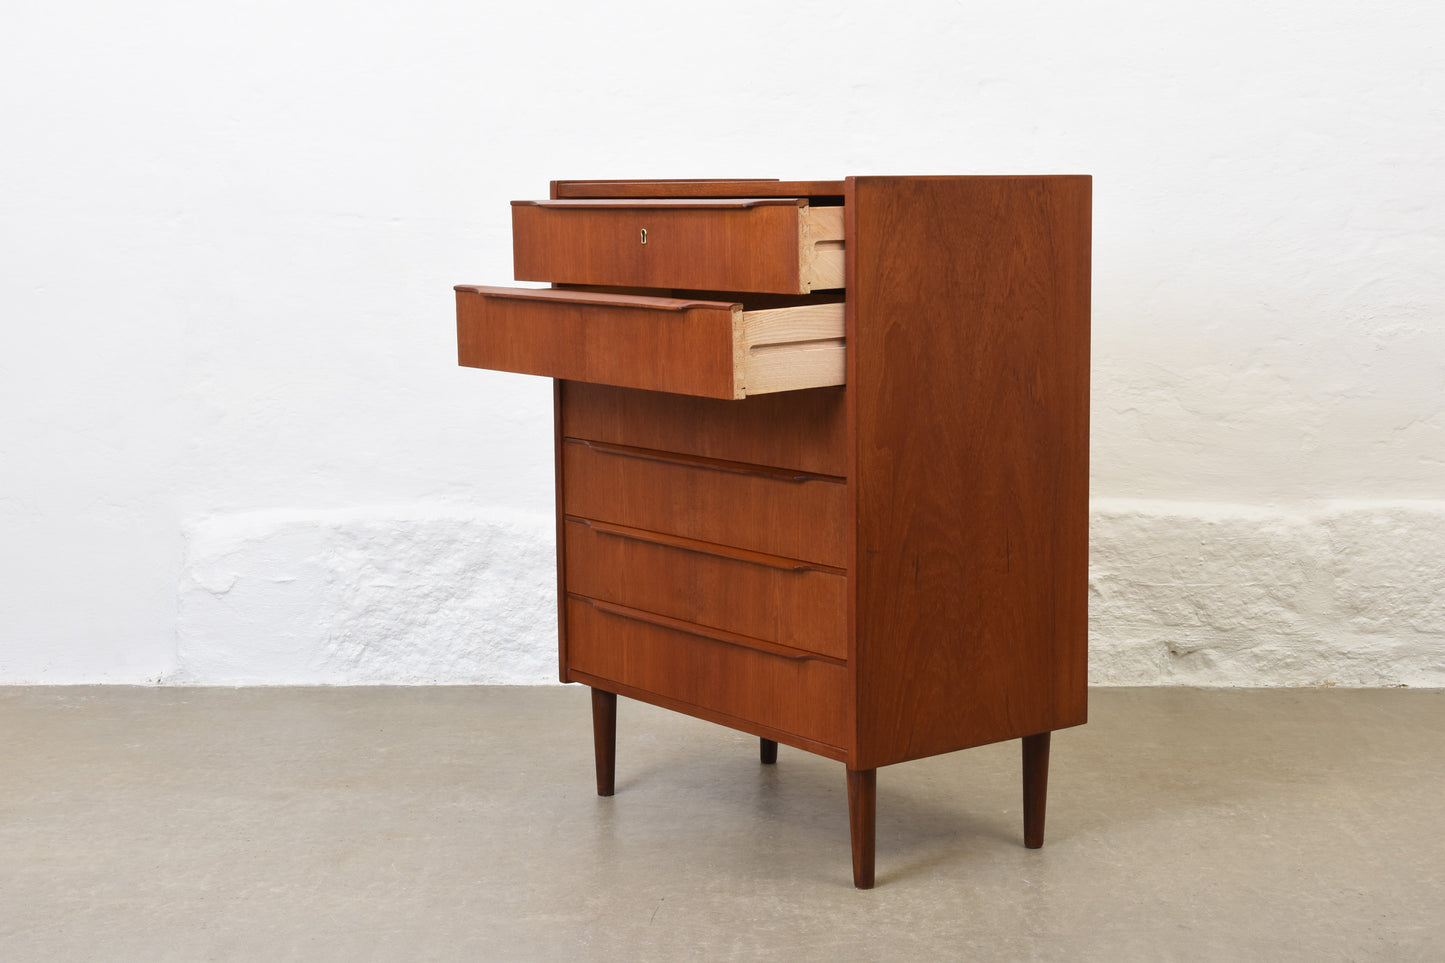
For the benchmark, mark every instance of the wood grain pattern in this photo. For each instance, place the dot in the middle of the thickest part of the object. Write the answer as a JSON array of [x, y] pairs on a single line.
[[801, 431], [801, 696], [708, 348], [602, 297], [740, 248], [771, 368], [696, 630], [786, 349], [791, 514], [824, 264], [762, 187], [756, 595], [969, 392], [664, 344], [810, 322]]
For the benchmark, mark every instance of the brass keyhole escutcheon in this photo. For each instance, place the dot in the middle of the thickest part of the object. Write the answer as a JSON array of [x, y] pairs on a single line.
[[644, 235]]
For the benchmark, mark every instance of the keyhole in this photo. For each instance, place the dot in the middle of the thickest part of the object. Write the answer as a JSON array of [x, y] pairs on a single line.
[[644, 235]]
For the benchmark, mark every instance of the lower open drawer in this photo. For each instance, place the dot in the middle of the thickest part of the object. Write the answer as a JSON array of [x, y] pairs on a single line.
[[710, 348]]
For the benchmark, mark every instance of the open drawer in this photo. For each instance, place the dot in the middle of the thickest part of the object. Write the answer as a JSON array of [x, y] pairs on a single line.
[[780, 245], [709, 348]]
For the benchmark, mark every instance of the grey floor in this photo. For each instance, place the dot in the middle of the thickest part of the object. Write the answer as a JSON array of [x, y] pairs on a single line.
[[462, 824]]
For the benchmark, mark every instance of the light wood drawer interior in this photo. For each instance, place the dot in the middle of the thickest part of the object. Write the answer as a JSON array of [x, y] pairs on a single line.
[[798, 695], [785, 513], [708, 348], [772, 599], [776, 244]]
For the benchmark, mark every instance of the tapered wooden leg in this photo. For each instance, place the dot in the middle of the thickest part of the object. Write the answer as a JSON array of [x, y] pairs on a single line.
[[767, 751], [604, 738], [862, 817], [1036, 787]]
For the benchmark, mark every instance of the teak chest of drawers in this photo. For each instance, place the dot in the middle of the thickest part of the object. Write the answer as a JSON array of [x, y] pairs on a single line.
[[822, 457]]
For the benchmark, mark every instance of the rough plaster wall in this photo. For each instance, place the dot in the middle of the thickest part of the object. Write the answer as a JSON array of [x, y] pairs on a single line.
[[365, 596], [234, 445], [1217, 594]]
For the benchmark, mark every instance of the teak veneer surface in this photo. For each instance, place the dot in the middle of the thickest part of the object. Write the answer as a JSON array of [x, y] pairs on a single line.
[[752, 245], [766, 597], [968, 381], [802, 430], [666, 344], [786, 513], [711, 348], [799, 696], [699, 188]]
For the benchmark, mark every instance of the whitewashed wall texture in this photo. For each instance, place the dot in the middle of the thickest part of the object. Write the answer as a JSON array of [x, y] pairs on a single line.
[[235, 446]]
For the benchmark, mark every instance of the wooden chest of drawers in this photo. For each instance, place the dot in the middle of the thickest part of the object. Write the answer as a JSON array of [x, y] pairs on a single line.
[[822, 457]]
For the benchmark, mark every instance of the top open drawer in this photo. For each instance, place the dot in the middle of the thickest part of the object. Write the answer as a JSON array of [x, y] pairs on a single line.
[[770, 244]]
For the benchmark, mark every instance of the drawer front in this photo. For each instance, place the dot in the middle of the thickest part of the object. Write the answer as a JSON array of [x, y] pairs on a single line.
[[790, 514], [764, 597], [662, 344], [710, 349], [802, 696], [802, 431], [776, 245]]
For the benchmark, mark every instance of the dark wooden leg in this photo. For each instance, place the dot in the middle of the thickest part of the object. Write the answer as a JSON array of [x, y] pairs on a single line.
[[1036, 787], [862, 812], [604, 738], [767, 751]]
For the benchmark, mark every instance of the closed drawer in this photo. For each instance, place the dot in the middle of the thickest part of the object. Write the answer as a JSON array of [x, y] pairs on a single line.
[[804, 431], [774, 244], [797, 695], [709, 348], [772, 599], [791, 514]]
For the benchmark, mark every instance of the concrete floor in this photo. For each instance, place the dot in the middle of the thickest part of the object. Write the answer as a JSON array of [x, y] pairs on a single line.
[[462, 824]]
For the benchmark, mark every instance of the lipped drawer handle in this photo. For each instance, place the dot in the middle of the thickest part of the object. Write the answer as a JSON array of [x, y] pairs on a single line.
[[695, 461], [714, 549], [706, 632]]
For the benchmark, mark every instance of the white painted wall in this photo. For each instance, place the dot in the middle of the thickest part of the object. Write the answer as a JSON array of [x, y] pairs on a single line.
[[234, 445]]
